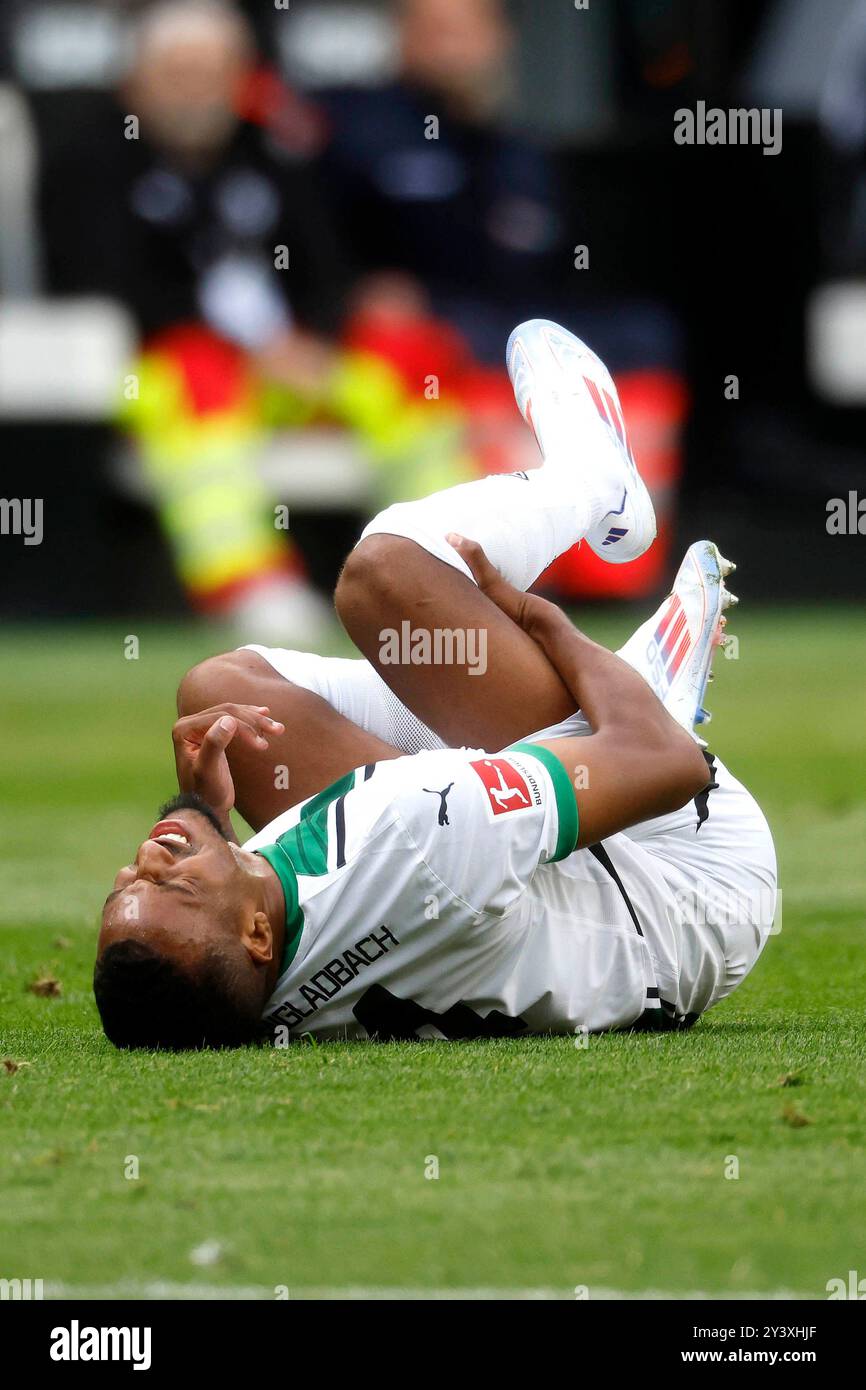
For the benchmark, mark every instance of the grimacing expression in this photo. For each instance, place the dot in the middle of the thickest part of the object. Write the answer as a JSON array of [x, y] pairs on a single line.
[[190, 938], [183, 889]]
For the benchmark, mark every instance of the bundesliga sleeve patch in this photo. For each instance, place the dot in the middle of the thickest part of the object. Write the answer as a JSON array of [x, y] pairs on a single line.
[[507, 789]]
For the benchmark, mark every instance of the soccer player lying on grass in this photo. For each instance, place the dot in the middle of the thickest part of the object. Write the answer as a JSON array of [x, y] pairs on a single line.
[[603, 873]]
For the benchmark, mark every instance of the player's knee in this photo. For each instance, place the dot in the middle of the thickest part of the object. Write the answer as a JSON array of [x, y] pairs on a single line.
[[368, 576], [218, 680]]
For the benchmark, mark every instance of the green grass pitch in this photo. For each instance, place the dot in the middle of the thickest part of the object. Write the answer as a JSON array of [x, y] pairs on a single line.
[[559, 1166]]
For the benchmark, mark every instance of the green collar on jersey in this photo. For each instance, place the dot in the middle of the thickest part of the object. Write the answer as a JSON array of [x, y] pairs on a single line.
[[303, 849], [285, 872]]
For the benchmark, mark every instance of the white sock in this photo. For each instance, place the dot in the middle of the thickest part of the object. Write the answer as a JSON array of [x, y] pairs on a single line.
[[521, 522], [354, 689]]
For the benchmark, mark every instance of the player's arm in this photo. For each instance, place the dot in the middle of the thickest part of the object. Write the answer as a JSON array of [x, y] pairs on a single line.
[[201, 742], [308, 743], [638, 762]]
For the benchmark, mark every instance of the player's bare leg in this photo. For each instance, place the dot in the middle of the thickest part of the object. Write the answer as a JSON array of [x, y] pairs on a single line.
[[405, 576], [672, 651], [389, 581], [519, 690], [524, 522], [317, 744]]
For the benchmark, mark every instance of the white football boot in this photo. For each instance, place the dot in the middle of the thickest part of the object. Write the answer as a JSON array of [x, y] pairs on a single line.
[[674, 649], [567, 396]]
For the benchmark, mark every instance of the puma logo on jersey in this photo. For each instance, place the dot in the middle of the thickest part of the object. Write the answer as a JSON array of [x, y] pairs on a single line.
[[506, 787], [443, 802]]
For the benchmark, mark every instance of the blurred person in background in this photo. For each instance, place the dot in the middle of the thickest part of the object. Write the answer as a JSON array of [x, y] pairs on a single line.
[[195, 200], [434, 184], [842, 119]]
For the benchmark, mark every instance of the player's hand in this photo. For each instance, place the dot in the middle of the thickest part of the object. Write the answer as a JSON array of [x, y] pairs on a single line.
[[200, 744], [529, 611]]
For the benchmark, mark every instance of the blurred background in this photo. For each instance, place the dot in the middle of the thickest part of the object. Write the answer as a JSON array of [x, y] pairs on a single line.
[[258, 263]]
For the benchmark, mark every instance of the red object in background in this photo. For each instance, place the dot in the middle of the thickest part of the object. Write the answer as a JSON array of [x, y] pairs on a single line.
[[655, 404], [417, 346], [217, 378], [265, 100], [215, 373], [498, 436], [420, 346]]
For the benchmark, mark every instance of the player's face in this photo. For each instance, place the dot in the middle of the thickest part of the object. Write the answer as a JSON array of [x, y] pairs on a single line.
[[183, 884]]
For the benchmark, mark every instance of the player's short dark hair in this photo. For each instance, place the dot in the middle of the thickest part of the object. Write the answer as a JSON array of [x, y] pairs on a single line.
[[146, 1000]]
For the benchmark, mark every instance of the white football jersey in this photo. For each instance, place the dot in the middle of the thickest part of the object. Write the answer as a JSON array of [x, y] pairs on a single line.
[[466, 921], [441, 895]]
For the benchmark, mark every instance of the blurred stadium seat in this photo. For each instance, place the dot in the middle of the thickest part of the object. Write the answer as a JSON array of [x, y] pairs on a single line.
[[59, 357], [836, 317], [19, 237]]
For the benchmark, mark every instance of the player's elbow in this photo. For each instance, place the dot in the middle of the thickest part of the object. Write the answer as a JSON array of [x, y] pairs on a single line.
[[688, 770], [673, 767]]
